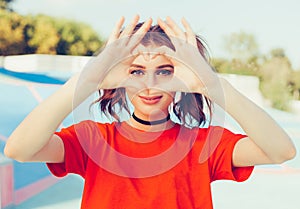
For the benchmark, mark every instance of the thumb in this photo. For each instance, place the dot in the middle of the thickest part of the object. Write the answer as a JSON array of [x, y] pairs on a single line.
[[131, 83], [152, 52], [175, 84]]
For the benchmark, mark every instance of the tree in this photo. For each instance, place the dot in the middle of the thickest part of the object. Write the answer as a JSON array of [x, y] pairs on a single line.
[[241, 45], [275, 75], [11, 33], [41, 35], [236, 66], [295, 84], [76, 38], [6, 5], [45, 35], [278, 52]]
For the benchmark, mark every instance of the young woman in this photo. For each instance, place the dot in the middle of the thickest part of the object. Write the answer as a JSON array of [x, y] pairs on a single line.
[[149, 161]]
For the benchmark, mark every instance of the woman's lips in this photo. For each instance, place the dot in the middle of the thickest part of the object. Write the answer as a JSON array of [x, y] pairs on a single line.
[[150, 99]]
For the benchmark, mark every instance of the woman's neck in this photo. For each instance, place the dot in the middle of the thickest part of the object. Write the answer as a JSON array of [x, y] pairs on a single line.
[[151, 128]]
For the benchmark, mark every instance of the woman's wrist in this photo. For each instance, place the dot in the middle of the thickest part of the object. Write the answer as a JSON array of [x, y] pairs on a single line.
[[77, 89], [215, 90]]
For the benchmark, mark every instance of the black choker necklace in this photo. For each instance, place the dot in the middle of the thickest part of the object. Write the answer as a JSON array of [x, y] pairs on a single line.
[[154, 122]]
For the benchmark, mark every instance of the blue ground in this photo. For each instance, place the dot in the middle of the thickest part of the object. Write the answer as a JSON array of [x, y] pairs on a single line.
[[16, 102]]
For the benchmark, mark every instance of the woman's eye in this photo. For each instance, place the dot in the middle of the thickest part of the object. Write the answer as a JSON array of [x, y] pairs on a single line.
[[136, 72], [164, 72]]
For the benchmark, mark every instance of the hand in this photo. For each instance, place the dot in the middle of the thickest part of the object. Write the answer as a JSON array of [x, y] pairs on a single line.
[[192, 72], [109, 69]]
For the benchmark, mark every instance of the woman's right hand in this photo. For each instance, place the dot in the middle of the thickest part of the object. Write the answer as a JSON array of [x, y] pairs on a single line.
[[109, 69]]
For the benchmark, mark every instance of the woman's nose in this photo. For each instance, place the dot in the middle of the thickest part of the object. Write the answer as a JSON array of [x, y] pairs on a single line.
[[150, 80]]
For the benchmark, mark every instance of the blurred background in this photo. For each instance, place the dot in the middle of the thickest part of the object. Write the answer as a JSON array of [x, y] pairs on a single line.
[[254, 44]]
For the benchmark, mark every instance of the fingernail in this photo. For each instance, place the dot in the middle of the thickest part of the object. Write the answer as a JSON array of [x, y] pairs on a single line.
[[183, 19], [168, 18]]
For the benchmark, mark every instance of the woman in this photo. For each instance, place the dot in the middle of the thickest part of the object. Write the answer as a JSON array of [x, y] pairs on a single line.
[[149, 161]]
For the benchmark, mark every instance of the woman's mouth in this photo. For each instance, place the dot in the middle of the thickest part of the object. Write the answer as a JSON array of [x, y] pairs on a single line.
[[150, 99]]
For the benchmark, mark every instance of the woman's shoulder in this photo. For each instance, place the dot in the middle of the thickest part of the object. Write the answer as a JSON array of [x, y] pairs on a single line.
[[211, 132], [94, 123], [91, 125], [211, 128]]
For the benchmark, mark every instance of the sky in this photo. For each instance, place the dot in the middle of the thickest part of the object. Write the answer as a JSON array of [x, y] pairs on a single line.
[[274, 23]]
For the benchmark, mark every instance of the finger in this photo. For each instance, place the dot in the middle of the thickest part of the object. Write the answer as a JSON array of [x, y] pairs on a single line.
[[174, 85], [140, 33], [145, 27], [133, 84], [190, 35], [165, 27], [178, 32], [130, 27], [171, 34], [164, 51], [116, 31], [141, 50], [153, 52]]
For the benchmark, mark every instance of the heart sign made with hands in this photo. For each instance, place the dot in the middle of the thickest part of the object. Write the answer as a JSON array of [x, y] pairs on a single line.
[[192, 71]]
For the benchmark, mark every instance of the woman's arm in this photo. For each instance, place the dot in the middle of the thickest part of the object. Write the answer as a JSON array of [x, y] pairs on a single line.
[[34, 138], [28, 141], [267, 142]]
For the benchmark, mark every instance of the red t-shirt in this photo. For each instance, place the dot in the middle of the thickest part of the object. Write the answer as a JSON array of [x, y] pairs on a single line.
[[128, 168]]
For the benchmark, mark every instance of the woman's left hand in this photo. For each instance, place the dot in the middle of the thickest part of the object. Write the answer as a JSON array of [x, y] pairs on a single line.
[[192, 72], [266, 141]]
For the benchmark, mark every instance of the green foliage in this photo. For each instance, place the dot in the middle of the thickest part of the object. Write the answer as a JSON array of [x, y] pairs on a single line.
[[76, 38], [235, 66], [275, 75], [278, 82], [41, 36], [11, 33], [278, 52], [45, 35], [295, 84], [6, 5], [241, 45]]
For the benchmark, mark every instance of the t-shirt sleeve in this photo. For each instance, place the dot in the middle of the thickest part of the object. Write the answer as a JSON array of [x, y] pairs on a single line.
[[221, 159], [75, 156]]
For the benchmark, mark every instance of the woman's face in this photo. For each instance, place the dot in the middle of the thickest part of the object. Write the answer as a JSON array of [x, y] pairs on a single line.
[[150, 70]]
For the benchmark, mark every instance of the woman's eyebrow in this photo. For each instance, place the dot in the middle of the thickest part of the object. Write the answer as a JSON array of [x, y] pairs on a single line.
[[166, 66], [137, 66]]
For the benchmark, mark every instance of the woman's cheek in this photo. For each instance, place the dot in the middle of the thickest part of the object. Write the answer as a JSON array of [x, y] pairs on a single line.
[[131, 93]]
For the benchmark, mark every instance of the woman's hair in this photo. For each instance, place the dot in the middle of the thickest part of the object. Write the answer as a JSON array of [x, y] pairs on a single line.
[[189, 109]]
